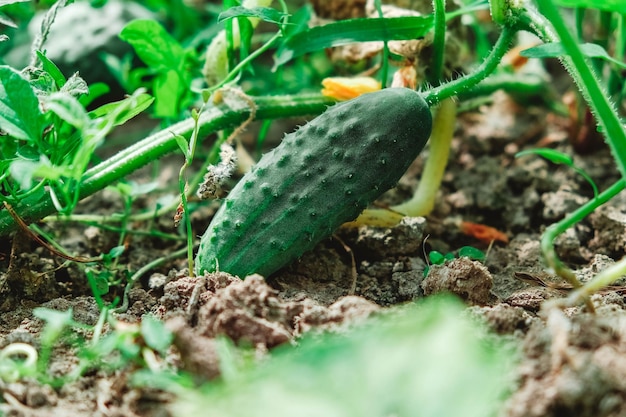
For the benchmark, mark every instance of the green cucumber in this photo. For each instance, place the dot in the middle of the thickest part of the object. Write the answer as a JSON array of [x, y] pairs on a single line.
[[319, 177]]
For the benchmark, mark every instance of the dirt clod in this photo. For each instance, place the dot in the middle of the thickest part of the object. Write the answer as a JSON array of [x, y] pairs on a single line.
[[464, 277]]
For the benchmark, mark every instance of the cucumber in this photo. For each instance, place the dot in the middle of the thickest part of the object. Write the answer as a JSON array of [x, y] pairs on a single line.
[[319, 177]]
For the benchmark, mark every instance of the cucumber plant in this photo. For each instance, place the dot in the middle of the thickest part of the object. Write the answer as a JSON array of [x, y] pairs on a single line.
[[28, 131]]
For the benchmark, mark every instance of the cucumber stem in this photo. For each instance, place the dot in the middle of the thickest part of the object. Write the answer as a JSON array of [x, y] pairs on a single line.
[[487, 67], [423, 200]]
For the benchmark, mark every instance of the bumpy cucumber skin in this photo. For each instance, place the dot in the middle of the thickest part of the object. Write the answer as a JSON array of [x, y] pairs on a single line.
[[319, 177]]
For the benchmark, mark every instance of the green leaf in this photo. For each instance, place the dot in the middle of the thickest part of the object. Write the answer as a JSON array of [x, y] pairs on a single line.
[[551, 155], [429, 359], [155, 334], [167, 87], [20, 116], [7, 2], [52, 69], [436, 258], [95, 90], [183, 145], [117, 251], [124, 110], [68, 108], [154, 46], [618, 6], [353, 30], [558, 157], [472, 253], [264, 13], [556, 49]]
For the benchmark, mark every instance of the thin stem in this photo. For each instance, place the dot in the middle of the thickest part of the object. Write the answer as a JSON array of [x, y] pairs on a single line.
[[582, 74], [554, 230], [384, 70], [488, 66], [602, 279], [150, 265], [155, 146], [439, 42]]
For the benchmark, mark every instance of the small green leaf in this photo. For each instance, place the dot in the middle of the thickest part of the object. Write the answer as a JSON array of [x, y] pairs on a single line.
[[551, 155], [264, 13], [51, 68], [154, 46], [155, 334], [183, 145], [618, 6], [472, 253], [55, 320], [558, 157], [556, 49], [95, 90], [353, 30], [436, 258], [167, 87], [20, 116], [116, 251], [23, 171], [68, 108], [124, 110]]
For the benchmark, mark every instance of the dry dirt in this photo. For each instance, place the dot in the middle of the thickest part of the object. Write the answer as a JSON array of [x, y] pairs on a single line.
[[574, 362]]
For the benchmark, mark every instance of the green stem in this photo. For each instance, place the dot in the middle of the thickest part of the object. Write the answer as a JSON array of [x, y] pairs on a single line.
[[551, 28], [439, 42], [155, 146], [554, 230], [602, 279], [423, 200], [488, 66], [384, 70]]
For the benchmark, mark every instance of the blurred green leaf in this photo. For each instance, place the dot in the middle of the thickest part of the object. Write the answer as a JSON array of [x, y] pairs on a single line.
[[68, 108], [472, 253], [124, 110], [436, 257], [264, 13], [618, 6], [551, 155], [20, 116], [167, 87], [155, 334], [353, 30], [427, 359], [154, 46], [555, 50]]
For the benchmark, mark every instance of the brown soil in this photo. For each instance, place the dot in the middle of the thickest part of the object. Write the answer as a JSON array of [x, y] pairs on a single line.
[[573, 362]]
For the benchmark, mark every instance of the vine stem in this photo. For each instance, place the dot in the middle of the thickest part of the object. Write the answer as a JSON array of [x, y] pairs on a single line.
[[549, 26], [487, 67], [213, 119]]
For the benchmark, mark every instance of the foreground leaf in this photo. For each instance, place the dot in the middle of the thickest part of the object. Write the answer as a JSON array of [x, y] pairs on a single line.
[[618, 6], [20, 116], [425, 360]]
